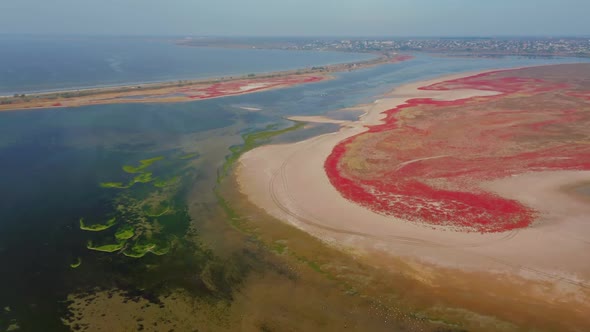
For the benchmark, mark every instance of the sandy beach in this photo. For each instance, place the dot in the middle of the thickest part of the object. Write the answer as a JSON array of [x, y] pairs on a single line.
[[289, 182]]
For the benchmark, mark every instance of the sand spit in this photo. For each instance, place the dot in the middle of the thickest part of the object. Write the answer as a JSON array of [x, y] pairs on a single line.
[[187, 90], [168, 92], [289, 182]]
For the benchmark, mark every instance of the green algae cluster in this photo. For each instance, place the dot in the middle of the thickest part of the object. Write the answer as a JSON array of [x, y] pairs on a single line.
[[97, 227], [252, 140], [157, 211], [161, 183], [118, 185], [112, 247], [189, 156], [142, 175], [139, 250], [77, 263], [146, 213], [143, 164], [125, 233], [142, 178]]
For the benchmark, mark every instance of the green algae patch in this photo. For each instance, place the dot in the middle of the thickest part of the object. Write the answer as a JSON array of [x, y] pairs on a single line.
[[149, 218], [279, 247], [97, 227], [143, 164], [189, 156], [131, 169], [252, 140], [106, 247], [139, 250], [157, 211], [142, 178], [117, 185], [77, 263], [125, 233], [161, 183]]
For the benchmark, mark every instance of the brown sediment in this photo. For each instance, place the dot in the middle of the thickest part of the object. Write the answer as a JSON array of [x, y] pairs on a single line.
[[530, 277], [184, 91]]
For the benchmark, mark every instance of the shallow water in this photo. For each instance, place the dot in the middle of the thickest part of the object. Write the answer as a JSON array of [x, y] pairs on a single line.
[[54, 160]]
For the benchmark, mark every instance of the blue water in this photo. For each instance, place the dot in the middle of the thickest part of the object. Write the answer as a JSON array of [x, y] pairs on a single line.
[[29, 64]]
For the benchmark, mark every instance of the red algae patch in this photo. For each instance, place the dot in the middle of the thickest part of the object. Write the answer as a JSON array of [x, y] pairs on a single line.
[[401, 58], [245, 86], [426, 162]]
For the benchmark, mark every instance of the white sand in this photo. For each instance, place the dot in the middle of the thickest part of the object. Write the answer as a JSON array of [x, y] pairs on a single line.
[[317, 119], [253, 86], [252, 109], [289, 182]]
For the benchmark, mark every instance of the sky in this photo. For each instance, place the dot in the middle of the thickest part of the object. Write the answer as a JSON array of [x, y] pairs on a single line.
[[297, 17]]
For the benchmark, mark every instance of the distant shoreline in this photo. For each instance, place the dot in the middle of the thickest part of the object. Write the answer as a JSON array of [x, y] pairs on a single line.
[[186, 90]]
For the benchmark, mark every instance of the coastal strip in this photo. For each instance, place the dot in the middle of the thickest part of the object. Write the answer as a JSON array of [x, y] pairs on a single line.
[[289, 181], [187, 90]]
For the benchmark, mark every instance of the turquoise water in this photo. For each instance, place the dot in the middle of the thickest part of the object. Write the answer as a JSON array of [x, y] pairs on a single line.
[[54, 160], [30, 64]]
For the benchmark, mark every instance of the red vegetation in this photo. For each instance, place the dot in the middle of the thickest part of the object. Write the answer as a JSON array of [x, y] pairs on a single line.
[[246, 86], [400, 58], [583, 95], [428, 169]]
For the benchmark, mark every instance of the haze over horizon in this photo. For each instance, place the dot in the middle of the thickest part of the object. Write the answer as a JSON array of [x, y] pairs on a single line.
[[416, 18]]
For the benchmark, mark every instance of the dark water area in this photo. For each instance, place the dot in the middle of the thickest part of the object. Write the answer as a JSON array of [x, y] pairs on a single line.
[[54, 161], [52, 63], [53, 164]]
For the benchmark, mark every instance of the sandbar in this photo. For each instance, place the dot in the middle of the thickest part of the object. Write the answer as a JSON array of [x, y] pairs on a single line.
[[290, 183], [187, 90]]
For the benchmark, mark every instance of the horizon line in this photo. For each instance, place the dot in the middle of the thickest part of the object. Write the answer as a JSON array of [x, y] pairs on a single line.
[[191, 35]]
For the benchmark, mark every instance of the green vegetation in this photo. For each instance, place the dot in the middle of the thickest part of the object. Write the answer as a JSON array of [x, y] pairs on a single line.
[[143, 164], [77, 263], [139, 250], [125, 233], [97, 227], [189, 156], [106, 247], [118, 185], [161, 183], [142, 178], [279, 247], [152, 217], [157, 211], [252, 140]]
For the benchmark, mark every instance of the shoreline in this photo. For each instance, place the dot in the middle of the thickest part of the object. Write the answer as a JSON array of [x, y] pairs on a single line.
[[186, 90], [289, 182]]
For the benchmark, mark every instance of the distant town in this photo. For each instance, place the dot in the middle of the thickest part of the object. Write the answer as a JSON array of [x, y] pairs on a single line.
[[571, 47]]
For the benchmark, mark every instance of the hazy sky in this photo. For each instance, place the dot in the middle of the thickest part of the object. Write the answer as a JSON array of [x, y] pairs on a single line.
[[297, 17]]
